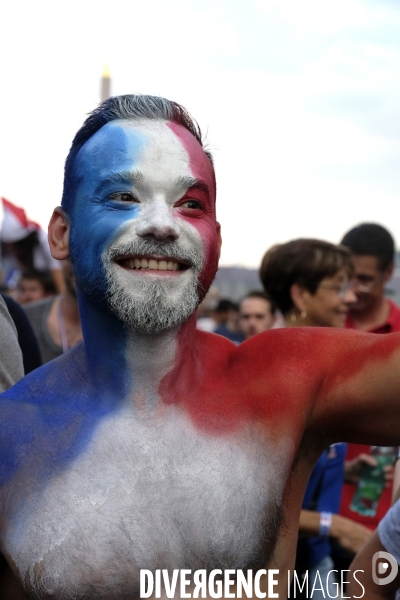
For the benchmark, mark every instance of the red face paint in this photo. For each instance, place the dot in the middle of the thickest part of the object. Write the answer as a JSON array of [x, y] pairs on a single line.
[[205, 224], [273, 378]]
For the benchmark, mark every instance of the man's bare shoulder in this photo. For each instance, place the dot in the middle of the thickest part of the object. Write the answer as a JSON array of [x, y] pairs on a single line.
[[38, 410], [319, 344]]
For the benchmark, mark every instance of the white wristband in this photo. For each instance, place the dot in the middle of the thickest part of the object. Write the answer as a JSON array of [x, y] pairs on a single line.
[[325, 522]]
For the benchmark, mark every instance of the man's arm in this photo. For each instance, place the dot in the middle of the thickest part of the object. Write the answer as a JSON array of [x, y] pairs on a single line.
[[361, 567], [10, 588], [11, 367], [363, 562], [358, 393]]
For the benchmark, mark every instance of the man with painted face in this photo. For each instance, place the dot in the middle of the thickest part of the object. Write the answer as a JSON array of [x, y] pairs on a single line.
[[153, 445]]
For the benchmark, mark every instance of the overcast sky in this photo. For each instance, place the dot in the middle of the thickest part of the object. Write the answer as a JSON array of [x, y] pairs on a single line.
[[300, 100]]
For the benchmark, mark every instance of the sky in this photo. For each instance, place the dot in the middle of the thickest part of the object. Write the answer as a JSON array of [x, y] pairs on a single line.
[[299, 101]]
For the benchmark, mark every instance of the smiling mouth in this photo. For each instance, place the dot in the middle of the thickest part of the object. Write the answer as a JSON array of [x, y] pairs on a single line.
[[151, 263]]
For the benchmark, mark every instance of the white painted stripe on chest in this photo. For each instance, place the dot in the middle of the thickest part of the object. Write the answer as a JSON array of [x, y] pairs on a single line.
[[150, 495]]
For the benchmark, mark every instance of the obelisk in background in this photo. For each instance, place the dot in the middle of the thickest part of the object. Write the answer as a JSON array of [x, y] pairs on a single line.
[[105, 91]]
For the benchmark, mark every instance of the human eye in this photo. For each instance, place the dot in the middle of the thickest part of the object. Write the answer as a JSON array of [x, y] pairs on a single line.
[[364, 278], [192, 205], [123, 197]]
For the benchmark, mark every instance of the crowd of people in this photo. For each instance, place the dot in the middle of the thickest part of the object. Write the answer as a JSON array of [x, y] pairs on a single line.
[[304, 283]]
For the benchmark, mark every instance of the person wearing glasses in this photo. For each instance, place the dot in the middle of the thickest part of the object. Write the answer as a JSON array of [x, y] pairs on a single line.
[[372, 254], [310, 283]]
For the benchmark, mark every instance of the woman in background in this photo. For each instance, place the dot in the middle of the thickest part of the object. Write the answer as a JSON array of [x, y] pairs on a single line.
[[309, 282]]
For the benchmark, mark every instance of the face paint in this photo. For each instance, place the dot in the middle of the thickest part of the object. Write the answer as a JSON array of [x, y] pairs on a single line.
[[270, 380], [202, 169], [131, 188], [96, 216]]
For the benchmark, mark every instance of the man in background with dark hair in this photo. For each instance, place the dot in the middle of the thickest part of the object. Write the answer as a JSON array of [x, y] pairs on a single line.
[[35, 285], [256, 314], [228, 313], [372, 249]]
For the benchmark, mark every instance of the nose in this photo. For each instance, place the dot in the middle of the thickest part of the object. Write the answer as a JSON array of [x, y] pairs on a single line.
[[157, 222], [349, 296]]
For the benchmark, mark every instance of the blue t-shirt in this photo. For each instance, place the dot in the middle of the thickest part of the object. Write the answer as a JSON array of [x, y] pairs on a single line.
[[323, 492], [238, 338]]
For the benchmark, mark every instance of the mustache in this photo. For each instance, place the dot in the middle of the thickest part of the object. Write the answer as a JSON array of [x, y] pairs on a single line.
[[174, 250]]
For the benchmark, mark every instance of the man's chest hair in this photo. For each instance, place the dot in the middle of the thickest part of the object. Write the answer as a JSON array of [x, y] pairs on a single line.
[[148, 494]]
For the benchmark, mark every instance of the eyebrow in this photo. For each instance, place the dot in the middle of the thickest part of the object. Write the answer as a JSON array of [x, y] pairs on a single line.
[[131, 177], [134, 177], [192, 183]]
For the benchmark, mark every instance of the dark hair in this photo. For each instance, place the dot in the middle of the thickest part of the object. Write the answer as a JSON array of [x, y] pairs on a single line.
[[305, 262], [45, 278], [262, 296], [129, 106], [371, 239], [22, 249], [224, 305]]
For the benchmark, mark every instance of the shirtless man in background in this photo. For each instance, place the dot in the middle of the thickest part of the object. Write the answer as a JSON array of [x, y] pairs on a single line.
[[153, 445]]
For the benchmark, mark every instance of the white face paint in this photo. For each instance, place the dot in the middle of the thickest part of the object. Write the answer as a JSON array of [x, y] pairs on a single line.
[[150, 219], [145, 299], [129, 502]]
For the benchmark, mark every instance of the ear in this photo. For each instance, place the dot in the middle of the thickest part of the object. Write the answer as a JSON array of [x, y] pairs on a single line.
[[388, 272], [58, 234], [299, 296]]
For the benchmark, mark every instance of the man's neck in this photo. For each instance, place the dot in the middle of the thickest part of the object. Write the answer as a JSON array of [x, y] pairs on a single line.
[[125, 364], [69, 309], [373, 316]]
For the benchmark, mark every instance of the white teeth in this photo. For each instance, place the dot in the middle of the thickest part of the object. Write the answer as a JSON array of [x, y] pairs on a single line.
[[154, 265]]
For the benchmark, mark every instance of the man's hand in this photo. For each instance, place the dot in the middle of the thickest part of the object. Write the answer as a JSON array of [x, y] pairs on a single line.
[[353, 468], [349, 534]]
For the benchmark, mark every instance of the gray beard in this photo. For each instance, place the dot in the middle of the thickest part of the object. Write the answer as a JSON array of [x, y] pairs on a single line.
[[153, 306]]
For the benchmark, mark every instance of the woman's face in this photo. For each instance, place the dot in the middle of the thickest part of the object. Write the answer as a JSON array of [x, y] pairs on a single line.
[[329, 305]]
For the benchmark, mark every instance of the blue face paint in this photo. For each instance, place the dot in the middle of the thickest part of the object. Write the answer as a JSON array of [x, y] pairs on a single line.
[[56, 409], [102, 168], [95, 218]]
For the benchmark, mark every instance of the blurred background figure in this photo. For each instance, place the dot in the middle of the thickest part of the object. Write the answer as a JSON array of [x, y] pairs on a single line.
[[386, 538], [34, 285], [26, 337], [206, 320], [372, 254], [256, 314], [11, 367], [226, 314], [310, 283], [24, 246], [55, 320]]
